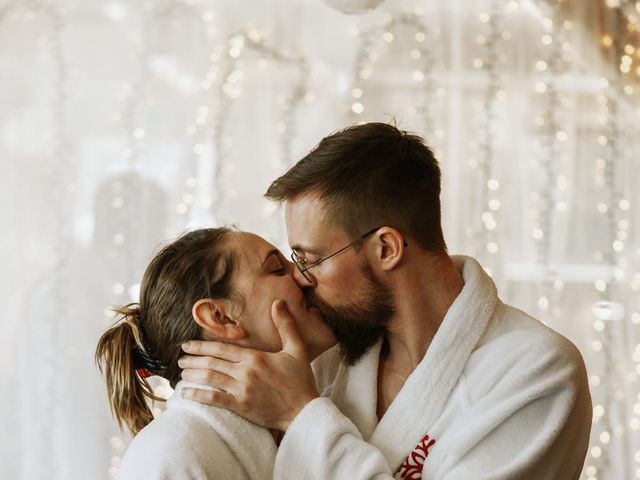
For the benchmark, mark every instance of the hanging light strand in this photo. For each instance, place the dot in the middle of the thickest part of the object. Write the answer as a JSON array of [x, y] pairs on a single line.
[[550, 70], [489, 184], [231, 73], [373, 42]]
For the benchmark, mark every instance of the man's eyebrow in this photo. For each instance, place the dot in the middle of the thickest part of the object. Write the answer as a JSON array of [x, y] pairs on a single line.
[[271, 253], [301, 249]]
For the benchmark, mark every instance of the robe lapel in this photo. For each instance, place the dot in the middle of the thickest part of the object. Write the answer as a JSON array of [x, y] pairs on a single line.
[[252, 445], [423, 397], [356, 394]]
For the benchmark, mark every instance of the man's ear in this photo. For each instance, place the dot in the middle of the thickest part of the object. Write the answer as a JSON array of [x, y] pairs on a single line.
[[211, 315], [390, 247]]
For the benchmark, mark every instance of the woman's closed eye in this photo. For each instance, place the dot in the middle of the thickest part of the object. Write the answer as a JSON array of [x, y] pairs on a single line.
[[276, 267]]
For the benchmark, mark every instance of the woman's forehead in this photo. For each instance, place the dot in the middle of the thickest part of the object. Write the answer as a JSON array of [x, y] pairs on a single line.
[[251, 247]]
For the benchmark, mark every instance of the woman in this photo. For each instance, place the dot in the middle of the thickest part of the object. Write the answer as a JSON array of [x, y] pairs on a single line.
[[215, 284]]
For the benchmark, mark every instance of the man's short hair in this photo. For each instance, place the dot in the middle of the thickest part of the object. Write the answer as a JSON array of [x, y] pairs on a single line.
[[371, 175]]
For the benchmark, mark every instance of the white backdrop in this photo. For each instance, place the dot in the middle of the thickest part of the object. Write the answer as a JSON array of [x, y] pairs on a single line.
[[125, 123]]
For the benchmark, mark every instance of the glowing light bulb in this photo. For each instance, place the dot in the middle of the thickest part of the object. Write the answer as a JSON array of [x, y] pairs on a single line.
[[357, 108]]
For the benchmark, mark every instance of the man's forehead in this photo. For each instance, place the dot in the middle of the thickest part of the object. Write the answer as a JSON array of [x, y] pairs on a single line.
[[306, 221], [305, 209]]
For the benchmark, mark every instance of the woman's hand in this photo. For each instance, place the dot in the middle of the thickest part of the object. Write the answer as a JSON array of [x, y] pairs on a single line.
[[269, 389]]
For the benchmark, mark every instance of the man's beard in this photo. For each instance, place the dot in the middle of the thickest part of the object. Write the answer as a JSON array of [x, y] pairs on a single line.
[[360, 324]]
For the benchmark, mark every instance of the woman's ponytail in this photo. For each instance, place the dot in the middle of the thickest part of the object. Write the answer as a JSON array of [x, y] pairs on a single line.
[[148, 337], [123, 360]]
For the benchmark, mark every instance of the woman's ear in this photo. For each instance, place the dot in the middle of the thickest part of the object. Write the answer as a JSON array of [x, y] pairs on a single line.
[[210, 314]]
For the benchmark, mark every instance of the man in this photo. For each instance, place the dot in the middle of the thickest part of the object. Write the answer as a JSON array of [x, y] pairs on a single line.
[[434, 377]]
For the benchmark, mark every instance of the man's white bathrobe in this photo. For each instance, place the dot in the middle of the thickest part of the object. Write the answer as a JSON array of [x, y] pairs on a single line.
[[498, 395], [191, 441]]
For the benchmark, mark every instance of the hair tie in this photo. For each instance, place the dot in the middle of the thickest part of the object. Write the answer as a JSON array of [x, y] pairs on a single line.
[[144, 363], [144, 373]]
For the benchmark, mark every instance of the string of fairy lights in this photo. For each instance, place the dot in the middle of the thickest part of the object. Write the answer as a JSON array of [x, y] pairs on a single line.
[[605, 400], [232, 64], [611, 418], [211, 147], [46, 344], [372, 43], [613, 314], [63, 166], [124, 198], [485, 236], [551, 125], [46, 400]]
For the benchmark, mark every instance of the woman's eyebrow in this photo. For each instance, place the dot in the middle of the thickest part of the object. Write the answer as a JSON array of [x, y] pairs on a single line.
[[272, 252]]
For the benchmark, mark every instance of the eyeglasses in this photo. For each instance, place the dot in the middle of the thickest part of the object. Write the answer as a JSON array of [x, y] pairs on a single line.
[[302, 262]]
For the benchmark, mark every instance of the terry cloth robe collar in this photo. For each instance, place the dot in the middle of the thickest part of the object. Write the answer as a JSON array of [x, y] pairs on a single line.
[[430, 384], [252, 445], [356, 391]]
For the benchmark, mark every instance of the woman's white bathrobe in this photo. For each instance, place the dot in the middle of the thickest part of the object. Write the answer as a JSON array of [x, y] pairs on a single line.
[[190, 441], [498, 395]]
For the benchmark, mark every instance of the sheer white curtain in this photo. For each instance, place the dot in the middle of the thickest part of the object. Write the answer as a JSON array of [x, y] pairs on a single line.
[[125, 123]]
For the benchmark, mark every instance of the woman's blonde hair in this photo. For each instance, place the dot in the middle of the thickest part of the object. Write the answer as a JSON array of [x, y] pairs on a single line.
[[148, 335]]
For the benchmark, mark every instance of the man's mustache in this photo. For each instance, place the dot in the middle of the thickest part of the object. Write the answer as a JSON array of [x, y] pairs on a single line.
[[310, 296], [313, 301]]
